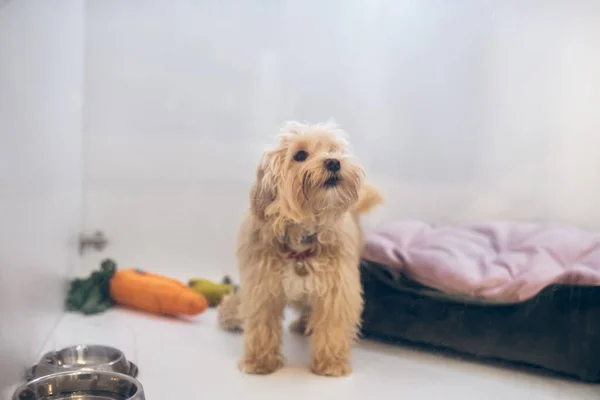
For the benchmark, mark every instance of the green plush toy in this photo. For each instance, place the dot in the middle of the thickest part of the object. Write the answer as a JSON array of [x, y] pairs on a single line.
[[213, 292]]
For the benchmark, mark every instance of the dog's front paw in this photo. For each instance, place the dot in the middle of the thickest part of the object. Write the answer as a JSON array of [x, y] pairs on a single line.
[[261, 365], [333, 368]]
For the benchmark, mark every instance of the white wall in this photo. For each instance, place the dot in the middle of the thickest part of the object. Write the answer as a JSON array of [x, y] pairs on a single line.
[[41, 82], [460, 110]]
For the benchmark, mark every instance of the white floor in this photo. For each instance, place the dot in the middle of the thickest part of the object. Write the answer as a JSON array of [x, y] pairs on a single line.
[[193, 359]]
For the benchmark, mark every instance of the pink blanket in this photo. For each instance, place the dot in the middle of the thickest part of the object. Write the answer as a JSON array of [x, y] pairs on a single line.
[[499, 261]]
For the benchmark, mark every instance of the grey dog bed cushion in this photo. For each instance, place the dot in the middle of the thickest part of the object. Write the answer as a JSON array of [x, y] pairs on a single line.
[[558, 330]]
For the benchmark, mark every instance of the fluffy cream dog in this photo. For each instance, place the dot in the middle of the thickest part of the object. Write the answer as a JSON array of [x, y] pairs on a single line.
[[300, 245]]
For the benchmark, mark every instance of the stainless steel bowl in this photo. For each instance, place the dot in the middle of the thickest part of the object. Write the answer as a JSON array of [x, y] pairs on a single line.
[[83, 357], [82, 385]]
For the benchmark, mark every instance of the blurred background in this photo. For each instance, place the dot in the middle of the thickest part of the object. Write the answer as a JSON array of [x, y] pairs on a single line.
[[145, 120]]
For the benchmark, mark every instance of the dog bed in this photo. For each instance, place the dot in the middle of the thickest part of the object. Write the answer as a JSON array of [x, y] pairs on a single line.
[[522, 293]]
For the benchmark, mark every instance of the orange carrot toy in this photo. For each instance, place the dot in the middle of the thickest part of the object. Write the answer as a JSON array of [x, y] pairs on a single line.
[[155, 293]]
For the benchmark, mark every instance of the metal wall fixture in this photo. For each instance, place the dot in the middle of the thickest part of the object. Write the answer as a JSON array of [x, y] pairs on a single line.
[[96, 241]]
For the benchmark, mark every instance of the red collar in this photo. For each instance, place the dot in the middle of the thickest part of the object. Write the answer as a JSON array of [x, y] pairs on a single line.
[[300, 256]]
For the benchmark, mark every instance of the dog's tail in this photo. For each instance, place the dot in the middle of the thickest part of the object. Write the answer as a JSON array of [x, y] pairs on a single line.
[[368, 198]]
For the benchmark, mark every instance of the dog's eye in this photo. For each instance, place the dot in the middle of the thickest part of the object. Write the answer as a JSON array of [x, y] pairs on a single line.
[[300, 156]]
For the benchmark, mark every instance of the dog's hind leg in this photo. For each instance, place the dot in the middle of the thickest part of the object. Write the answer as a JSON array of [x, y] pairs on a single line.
[[300, 325], [228, 313]]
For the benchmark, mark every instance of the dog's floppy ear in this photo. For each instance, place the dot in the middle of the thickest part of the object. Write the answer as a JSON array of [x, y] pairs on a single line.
[[264, 191]]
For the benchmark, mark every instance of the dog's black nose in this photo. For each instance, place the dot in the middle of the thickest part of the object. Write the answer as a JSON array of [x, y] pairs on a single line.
[[332, 165]]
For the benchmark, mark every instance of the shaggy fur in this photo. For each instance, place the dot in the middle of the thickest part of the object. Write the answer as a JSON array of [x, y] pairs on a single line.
[[300, 206]]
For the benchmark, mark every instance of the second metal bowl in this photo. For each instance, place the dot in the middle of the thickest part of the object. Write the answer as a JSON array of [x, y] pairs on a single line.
[[82, 358], [82, 385]]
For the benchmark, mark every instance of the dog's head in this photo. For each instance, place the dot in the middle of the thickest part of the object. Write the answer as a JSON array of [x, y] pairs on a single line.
[[309, 175]]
